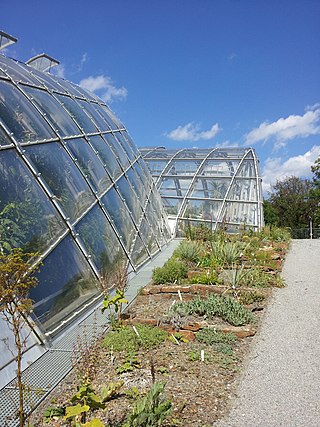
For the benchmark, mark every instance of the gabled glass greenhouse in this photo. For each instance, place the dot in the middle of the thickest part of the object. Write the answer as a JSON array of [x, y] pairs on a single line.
[[218, 187], [73, 187]]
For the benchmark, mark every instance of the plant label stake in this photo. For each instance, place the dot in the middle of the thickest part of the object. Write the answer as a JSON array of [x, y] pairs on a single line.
[[202, 355], [136, 331], [180, 296]]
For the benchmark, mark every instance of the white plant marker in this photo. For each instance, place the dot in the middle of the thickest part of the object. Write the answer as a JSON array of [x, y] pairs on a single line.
[[179, 294], [173, 303], [202, 355], [135, 331], [175, 339]]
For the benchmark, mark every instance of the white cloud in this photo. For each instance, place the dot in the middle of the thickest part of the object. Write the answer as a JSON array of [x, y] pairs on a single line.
[[300, 166], [287, 128], [103, 86], [59, 71], [192, 132], [83, 59]]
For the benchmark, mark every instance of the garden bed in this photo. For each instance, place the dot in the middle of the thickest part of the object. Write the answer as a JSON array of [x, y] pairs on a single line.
[[191, 337]]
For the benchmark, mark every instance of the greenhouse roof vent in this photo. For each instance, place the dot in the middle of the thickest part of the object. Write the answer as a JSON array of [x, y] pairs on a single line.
[[42, 62], [6, 40]]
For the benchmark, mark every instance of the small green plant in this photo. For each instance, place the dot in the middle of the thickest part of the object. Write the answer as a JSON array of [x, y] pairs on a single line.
[[177, 338], [151, 410], [215, 305], [132, 393], [248, 298], [220, 341], [206, 278], [130, 364], [115, 301], [54, 413], [199, 232], [188, 251], [172, 271], [125, 339]]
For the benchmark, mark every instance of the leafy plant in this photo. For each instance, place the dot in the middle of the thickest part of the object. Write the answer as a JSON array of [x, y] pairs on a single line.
[[188, 251], [248, 298], [87, 397], [54, 413], [211, 336], [115, 301], [17, 278], [177, 338], [172, 271], [130, 364], [125, 339], [215, 305], [151, 410], [207, 278]]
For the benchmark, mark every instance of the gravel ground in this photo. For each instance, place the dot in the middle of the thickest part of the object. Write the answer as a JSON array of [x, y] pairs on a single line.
[[281, 384]]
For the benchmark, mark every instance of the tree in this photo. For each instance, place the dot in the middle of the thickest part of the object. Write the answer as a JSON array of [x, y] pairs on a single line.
[[270, 213], [315, 192], [290, 199], [16, 280]]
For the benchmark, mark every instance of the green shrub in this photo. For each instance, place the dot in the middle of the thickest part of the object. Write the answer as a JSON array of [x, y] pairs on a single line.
[[226, 252], [199, 232], [188, 251], [172, 271], [211, 336], [250, 297], [151, 410], [205, 278], [215, 305], [125, 339]]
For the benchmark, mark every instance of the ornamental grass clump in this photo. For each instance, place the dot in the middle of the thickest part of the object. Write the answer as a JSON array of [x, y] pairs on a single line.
[[188, 251], [215, 306], [171, 272]]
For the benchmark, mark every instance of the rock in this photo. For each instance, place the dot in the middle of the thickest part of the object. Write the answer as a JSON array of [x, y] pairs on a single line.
[[192, 326]]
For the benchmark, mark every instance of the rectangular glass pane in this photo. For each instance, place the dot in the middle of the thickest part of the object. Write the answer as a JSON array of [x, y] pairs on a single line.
[[27, 217], [106, 155], [61, 291], [62, 177]]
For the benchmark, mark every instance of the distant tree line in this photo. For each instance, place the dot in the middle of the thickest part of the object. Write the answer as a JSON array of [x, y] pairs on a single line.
[[293, 201]]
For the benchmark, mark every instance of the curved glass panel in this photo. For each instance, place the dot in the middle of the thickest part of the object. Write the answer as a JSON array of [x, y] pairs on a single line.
[[108, 158], [120, 216], [62, 177], [16, 72], [4, 138], [136, 183], [139, 252], [99, 239], [77, 113], [59, 118], [90, 164], [109, 117], [243, 189], [124, 144], [61, 291], [21, 118], [88, 107], [130, 197], [27, 218], [241, 213], [117, 149]]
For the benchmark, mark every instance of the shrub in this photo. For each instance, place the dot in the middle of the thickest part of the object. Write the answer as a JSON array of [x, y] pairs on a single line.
[[206, 278], [226, 252], [172, 271], [212, 336], [199, 232], [125, 339], [188, 251], [215, 305]]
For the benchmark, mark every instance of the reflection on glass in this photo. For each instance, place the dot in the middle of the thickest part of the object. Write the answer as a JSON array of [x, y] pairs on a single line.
[[243, 189], [202, 209], [27, 218], [16, 72], [90, 164], [139, 252], [117, 149], [65, 284], [120, 216], [124, 144], [99, 239], [22, 119], [4, 139], [58, 116], [62, 177], [88, 107], [77, 113], [108, 158], [130, 197]]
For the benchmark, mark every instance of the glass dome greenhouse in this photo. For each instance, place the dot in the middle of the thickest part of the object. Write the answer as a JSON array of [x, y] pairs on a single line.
[[74, 188], [218, 187]]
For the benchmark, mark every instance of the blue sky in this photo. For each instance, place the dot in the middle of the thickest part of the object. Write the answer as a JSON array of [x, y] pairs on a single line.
[[191, 73]]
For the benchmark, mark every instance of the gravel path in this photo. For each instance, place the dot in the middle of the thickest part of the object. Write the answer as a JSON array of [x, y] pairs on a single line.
[[281, 383]]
